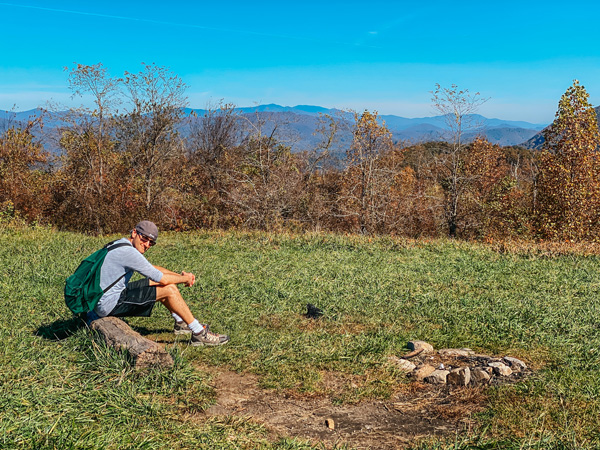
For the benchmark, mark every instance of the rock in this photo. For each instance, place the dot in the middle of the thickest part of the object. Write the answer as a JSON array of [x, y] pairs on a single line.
[[480, 375], [459, 377], [449, 352], [440, 366], [422, 372], [514, 363], [330, 423], [437, 377], [500, 369], [418, 345], [482, 360], [402, 364]]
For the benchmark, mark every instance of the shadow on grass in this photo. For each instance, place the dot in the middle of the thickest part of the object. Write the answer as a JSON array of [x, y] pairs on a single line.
[[61, 329], [146, 331]]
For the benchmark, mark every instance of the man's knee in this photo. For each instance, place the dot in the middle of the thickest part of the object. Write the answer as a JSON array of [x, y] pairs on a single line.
[[166, 292]]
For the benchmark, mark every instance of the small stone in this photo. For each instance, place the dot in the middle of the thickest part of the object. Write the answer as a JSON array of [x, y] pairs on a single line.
[[500, 369], [437, 377], [459, 377], [479, 375], [402, 364], [422, 372], [330, 423], [418, 345], [514, 363], [449, 352]]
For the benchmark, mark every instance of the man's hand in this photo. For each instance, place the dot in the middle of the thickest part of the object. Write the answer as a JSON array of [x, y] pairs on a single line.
[[191, 278]]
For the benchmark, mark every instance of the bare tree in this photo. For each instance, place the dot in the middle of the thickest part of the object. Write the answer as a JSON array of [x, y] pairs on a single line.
[[148, 131], [263, 178], [86, 139], [457, 107], [211, 136]]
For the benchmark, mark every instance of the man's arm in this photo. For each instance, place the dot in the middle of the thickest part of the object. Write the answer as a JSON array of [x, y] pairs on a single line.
[[170, 277]]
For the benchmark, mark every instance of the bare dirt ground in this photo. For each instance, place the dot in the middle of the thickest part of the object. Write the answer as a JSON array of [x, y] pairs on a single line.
[[423, 411]]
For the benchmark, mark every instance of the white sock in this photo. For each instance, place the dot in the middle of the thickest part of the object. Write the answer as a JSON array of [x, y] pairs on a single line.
[[176, 317], [195, 327]]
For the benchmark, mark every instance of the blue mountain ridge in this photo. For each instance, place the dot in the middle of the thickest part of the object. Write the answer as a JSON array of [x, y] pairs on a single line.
[[297, 125], [392, 121]]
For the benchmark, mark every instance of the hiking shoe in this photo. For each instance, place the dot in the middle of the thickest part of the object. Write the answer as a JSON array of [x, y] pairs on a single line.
[[209, 338], [181, 328]]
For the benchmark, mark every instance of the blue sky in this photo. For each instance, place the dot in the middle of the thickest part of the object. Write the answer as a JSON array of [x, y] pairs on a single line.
[[377, 55]]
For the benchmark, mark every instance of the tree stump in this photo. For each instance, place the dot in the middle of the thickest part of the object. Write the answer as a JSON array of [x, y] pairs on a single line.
[[144, 352]]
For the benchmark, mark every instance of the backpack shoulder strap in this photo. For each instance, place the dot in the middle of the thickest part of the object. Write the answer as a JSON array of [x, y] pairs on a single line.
[[108, 248], [111, 245]]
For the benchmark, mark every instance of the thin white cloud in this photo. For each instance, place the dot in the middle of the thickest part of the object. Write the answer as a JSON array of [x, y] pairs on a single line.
[[180, 24]]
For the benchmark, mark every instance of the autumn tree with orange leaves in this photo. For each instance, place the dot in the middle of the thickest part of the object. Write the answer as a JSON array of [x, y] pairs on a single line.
[[487, 192], [569, 178], [367, 181], [23, 181]]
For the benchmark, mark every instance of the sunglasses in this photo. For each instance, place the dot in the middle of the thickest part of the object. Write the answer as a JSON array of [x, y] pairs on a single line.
[[145, 239]]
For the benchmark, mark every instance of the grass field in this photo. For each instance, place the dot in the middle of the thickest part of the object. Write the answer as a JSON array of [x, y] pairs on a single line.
[[61, 388]]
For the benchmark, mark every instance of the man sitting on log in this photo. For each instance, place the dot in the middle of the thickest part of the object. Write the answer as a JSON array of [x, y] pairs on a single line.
[[125, 299]]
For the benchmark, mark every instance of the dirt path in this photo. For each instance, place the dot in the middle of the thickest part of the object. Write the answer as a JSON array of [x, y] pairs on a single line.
[[374, 425]]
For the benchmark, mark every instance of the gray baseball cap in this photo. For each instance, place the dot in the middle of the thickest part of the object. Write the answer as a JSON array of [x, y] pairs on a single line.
[[147, 228]]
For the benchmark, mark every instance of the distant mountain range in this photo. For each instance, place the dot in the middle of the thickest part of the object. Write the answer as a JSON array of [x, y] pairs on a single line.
[[299, 120], [297, 126]]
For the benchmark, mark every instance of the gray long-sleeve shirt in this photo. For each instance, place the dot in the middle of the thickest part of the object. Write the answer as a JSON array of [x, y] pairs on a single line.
[[123, 260]]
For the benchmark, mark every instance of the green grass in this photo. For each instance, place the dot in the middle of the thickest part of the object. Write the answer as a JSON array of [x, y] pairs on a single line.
[[61, 388]]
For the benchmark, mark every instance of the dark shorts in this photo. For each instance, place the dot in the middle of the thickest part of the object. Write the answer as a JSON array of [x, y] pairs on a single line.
[[137, 300]]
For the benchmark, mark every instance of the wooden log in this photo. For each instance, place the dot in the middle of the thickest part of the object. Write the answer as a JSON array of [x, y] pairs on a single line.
[[144, 352]]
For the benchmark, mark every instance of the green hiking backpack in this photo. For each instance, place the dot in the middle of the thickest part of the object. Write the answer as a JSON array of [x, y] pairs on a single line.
[[82, 289]]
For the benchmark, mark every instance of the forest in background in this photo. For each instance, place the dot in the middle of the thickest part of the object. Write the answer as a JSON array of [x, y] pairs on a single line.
[[126, 159]]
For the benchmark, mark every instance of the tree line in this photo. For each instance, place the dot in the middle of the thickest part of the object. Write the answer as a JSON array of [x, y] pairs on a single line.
[[136, 154]]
